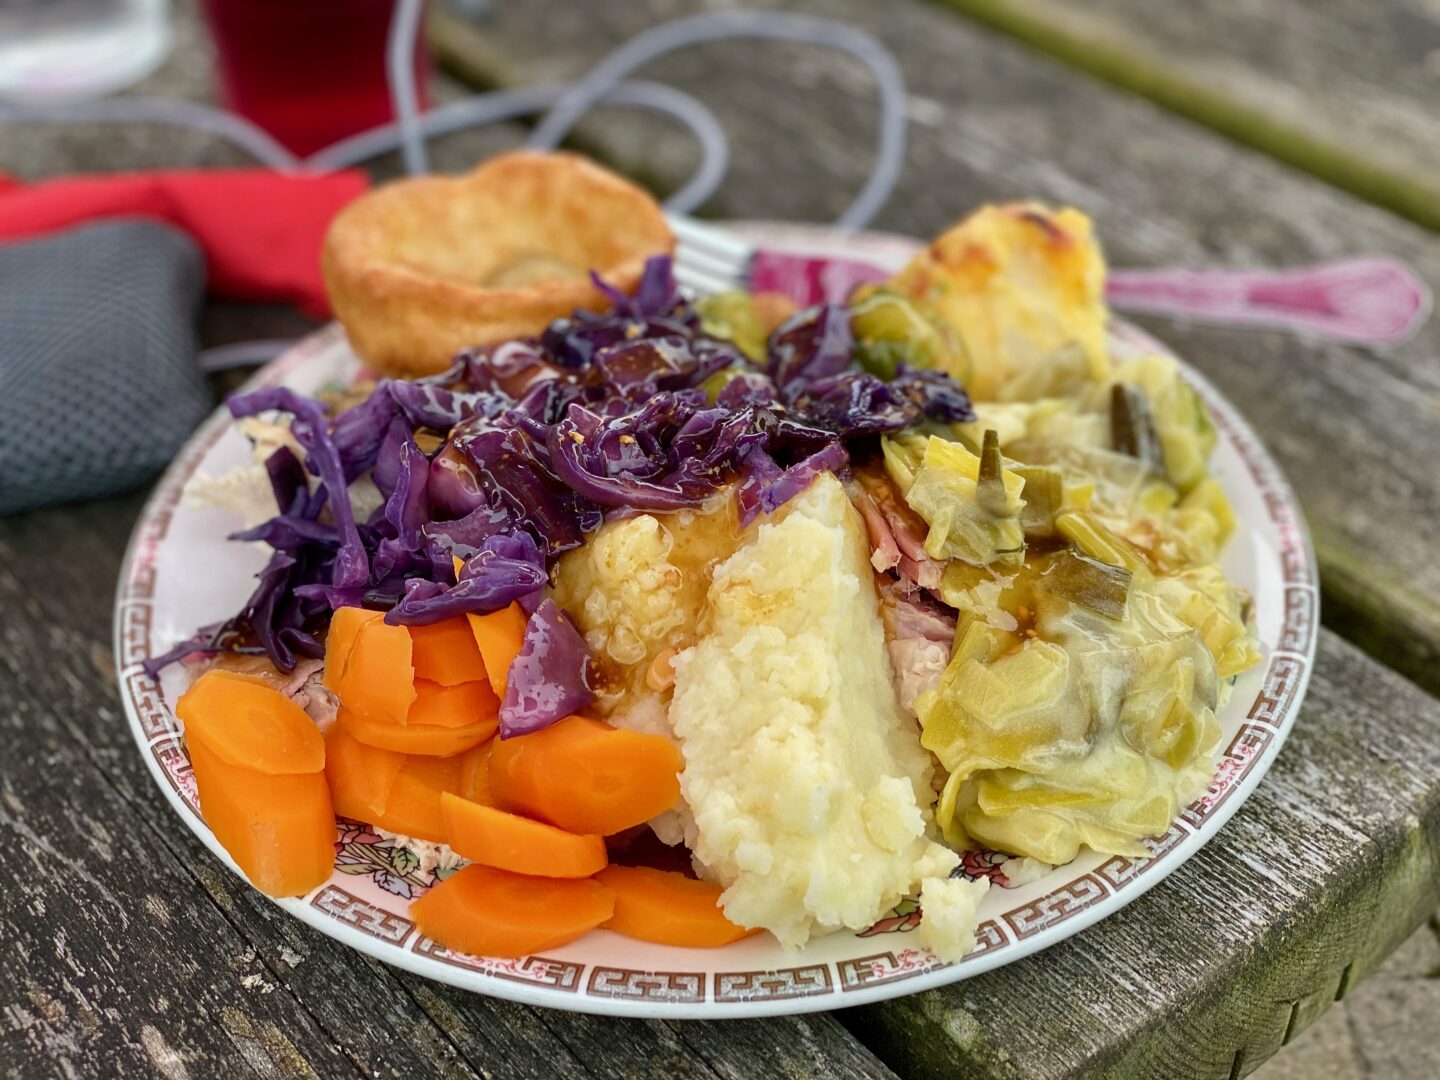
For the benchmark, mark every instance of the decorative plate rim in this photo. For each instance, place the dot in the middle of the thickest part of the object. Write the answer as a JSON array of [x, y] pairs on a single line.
[[1019, 932]]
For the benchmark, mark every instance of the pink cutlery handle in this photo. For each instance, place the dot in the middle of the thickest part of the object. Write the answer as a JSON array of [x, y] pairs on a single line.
[[1369, 301], [1366, 301]]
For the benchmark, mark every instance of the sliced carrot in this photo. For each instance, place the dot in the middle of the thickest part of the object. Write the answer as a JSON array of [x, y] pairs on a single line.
[[511, 842], [360, 776], [499, 635], [585, 776], [413, 806], [431, 740], [247, 723], [445, 652], [453, 706], [669, 908], [345, 625], [491, 912], [279, 829], [378, 681], [475, 774]]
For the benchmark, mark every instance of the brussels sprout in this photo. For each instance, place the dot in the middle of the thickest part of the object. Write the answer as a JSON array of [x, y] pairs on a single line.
[[732, 316], [717, 381], [891, 329]]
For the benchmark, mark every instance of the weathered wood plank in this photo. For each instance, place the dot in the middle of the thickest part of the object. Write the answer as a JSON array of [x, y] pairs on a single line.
[[1344, 89], [1355, 429], [128, 948]]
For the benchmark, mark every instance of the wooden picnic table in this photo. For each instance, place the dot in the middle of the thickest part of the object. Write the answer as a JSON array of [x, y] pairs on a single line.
[[128, 949]]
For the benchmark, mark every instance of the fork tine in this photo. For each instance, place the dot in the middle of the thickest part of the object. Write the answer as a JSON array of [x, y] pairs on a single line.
[[711, 261], [707, 258], [709, 238], [702, 282]]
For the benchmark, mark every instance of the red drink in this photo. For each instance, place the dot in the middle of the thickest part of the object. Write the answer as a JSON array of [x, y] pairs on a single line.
[[310, 72]]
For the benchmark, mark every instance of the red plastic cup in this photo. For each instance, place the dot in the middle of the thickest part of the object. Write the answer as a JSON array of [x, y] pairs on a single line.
[[310, 72]]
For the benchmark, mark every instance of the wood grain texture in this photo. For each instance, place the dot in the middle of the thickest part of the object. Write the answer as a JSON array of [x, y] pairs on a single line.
[[129, 950], [1356, 430], [1344, 89]]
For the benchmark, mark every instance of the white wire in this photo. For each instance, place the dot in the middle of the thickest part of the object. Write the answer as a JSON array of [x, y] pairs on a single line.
[[522, 101], [403, 79], [481, 109], [803, 29], [567, 104]]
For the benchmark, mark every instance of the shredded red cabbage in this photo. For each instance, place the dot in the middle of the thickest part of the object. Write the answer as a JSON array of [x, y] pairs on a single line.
[[550, 678], [533, 443]]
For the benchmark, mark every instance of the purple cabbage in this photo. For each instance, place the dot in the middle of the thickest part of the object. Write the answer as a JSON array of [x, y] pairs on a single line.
[[815, 343], [518, 451], [550, 678], [506, 568], [311, 429], [765, 486]]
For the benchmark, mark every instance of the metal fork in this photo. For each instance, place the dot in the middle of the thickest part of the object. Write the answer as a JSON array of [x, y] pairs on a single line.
[[1362, 301], [709, 259]]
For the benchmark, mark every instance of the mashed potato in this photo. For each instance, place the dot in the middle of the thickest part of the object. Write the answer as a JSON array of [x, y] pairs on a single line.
[[809, 789], [1022, 284], [949, 905]]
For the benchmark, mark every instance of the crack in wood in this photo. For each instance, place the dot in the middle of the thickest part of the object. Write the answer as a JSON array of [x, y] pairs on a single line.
[[1290, 1024], [1343, 987]]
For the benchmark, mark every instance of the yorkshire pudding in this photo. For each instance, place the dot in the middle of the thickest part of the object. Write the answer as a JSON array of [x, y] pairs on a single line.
[[421, 268]]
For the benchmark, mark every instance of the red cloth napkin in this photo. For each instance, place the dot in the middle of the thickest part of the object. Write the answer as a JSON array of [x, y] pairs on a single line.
[[261, 231]]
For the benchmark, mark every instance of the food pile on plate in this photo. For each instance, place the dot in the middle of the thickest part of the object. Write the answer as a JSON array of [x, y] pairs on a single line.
[[696, 617]]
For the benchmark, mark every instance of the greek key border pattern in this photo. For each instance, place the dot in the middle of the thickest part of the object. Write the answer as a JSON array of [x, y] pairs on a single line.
[[776, 984]]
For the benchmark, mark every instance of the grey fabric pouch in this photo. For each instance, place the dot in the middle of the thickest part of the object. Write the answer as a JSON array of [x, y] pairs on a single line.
[[99, 384]]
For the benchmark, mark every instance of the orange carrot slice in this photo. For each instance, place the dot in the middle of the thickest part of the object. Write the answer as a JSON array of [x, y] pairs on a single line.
[[499, 635], [360, 776], [669, 908], [491, 912], [413, 805], [379, 679], [430, 740], [345, 625], [280, 830], [510, 842], [246, 723], [445, 652], [453, 706], [585, 776], [475, 774]]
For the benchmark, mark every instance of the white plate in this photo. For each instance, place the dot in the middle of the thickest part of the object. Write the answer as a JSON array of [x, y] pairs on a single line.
[[181, 573]]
